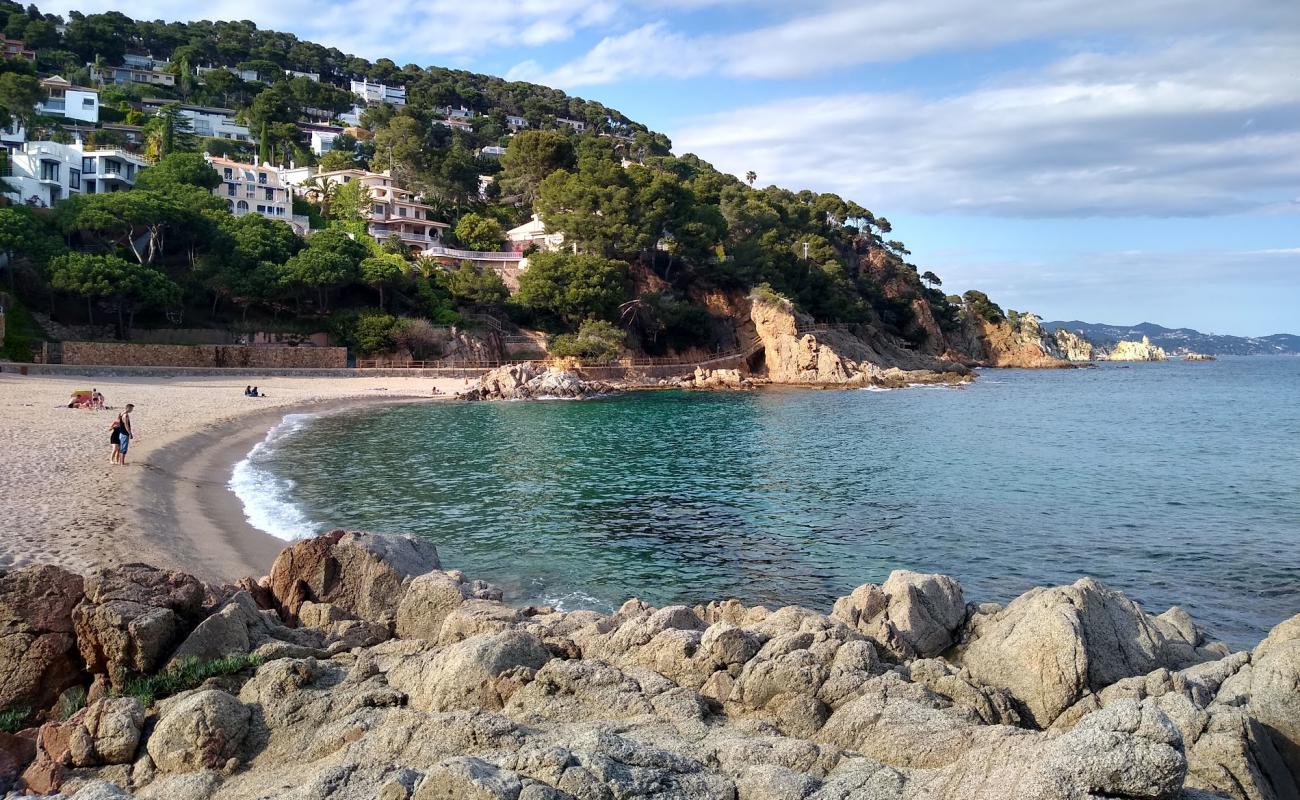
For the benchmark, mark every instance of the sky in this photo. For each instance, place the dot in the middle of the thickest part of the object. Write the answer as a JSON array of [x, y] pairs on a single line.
[[1107, 161]]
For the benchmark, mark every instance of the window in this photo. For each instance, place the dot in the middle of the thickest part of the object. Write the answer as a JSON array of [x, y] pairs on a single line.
[[401, 211], [261, 209], [228, 173], [377, 209], [241, 207], [279, 212], [270, 194], [87, 165], [261, 177], [74, 178], [231, 189], [49, 170], [88, 103]]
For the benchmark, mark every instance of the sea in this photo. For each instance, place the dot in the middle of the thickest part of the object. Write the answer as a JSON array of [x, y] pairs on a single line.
[[1175, 482]]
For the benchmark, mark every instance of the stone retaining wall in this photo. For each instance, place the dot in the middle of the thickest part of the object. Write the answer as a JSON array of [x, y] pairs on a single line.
[[125, 354]]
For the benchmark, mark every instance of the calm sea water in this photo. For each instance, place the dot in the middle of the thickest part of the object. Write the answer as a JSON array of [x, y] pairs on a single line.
[[1178, 483]]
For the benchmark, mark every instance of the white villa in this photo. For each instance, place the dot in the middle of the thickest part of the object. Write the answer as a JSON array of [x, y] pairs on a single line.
[[516, 122], [377, 93], [47, 172], [393, 210], [214, 123], [250, 189], [63, 99], [533, 232], [136, 69], [577, 124]]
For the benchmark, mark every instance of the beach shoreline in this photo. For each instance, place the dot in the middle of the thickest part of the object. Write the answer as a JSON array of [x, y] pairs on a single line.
[[62, 503]]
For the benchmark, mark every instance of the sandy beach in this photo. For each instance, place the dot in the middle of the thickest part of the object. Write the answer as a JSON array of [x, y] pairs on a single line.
[[62, 502]]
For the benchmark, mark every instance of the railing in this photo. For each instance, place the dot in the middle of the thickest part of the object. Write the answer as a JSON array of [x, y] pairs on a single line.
[[821, 327], [473, 255], [744, 351]]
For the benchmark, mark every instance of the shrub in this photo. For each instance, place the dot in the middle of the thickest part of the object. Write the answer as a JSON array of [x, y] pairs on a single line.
[[765, 293], [374, 333], [13, 720], [70, 702], [420, 336], [186, 675], [596, 342]]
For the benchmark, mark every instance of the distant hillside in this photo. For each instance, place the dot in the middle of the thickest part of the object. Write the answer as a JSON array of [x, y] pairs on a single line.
[[1183, 339]]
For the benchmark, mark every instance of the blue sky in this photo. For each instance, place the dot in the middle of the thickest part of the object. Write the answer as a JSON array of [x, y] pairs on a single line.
[[1084, 159]]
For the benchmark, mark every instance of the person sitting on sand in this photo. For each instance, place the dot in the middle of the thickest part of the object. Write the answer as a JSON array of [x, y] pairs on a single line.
[[120, 435], [256, 393], [96, 400], [248, 391]]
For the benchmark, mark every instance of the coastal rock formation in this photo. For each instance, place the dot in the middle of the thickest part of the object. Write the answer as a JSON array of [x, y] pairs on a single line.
[[1018, 340], [715, 379], [903, 692], [37, 645], [1072, 346], [1137, 351], [1199, 357], [531, 381], [795, 351]]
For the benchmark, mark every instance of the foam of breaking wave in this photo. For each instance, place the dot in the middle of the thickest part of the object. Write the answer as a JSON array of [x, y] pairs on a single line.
[[265, 497]]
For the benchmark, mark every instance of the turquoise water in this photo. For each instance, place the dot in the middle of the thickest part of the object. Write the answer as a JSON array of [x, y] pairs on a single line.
[[1178, 483]]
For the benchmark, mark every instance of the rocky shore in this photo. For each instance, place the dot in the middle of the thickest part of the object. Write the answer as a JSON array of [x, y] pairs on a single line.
[[360, 668], [1137, 351]]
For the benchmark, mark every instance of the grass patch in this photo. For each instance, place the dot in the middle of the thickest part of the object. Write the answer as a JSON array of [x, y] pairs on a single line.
[[70, 702], [13, 720], [186, 675]]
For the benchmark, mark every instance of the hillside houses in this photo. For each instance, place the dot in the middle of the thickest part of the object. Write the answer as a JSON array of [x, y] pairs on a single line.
[[379, 93], [393, 210], [46, 172], [208, 122], [253, 189]]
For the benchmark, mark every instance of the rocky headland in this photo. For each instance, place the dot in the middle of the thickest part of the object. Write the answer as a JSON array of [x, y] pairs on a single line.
[[360, 668], [1020, 341], [1137, 351], [534, 381]]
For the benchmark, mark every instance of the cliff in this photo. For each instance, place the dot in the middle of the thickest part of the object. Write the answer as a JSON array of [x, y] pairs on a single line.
[[360, 668], [1017, 340], [1136, 351], [798, 352]]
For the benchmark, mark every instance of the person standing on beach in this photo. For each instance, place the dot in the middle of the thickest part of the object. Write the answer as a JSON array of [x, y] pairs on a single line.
[[121, 435]]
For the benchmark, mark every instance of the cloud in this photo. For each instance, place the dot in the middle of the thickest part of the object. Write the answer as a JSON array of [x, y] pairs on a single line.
[[1153, 132], [820, 37], [429, 28]]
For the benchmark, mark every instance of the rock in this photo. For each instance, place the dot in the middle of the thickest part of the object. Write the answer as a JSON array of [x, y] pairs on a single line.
[[716, 379], [1268, 689], [132, 617], [1136, 351], [428, 600], [468, 778], [1199, 357], [38, 652], [1018, 340], [364, 574], [1072, 346], [239, 627], [1051, 647], [16, 753], [530, 381], [474, 673], [100, 790], [204, 730], [108, 732], [473, 617], [912, 614]]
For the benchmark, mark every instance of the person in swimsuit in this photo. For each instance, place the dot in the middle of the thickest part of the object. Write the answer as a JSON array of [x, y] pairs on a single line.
[[121, 435]]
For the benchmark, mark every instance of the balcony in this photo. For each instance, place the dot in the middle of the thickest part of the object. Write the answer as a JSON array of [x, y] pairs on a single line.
[[472, 255]]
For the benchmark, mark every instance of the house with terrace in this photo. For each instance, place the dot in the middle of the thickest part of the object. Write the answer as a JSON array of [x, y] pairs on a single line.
[[378, 93], [253, 189], [63, 99], [205, 121], [393, 211], [43, 173]]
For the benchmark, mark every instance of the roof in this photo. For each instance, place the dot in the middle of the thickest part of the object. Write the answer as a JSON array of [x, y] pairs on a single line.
[[62, 82], [159, 101]]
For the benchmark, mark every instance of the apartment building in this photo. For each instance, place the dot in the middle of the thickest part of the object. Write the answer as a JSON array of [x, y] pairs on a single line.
[[378, 93], [63, 99], [215, 123], [393, 210], [135, 68], [253, 189], [46, 172]]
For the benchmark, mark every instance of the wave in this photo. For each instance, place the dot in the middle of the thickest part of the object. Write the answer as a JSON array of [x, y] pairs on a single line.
[[265, 497], [576, 600]]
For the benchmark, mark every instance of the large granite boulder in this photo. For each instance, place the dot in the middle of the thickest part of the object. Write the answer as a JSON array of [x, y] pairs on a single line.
[[364, 574], [479, 672], [912, 615], [203, 730], [38, 651], [106, 732], [132, 617], [1052, 647], [239, 627]]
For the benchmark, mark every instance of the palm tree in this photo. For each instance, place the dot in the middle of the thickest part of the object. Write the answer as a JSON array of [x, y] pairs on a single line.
[[750, 177], [322, 190], [426, 265]]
